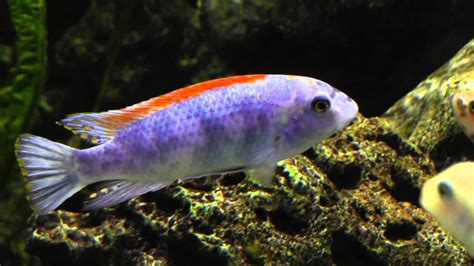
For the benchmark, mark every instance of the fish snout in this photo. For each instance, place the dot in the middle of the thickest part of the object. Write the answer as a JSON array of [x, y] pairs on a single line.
[[347, 110]]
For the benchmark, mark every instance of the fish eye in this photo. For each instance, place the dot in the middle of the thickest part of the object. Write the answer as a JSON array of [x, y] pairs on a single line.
[[471, 107], [445, 190], [320, 105]]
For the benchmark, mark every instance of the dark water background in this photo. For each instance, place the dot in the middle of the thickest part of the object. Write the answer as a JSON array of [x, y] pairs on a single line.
[[109, 54]]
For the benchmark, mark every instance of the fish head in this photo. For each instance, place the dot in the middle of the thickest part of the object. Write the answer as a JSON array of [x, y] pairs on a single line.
[[318, 111], [441, 193], [325, 109], [449, 199], [462, 104]]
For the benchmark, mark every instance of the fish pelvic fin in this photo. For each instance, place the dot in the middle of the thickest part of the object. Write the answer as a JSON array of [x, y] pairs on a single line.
[[101, 127], [115, 192], [48, 170], [263, 174]]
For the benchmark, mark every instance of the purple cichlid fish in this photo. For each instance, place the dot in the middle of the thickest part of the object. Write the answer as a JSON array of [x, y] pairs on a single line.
[[243, 123]]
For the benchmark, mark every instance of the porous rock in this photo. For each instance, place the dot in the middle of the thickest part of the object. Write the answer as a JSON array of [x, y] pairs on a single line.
[[353, 199], [424, 117]]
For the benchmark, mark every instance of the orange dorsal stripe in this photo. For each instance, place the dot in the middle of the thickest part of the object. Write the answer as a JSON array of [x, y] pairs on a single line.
[[101, 127], [154, 104]]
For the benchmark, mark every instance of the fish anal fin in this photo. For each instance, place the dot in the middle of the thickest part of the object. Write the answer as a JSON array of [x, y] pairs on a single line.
[[100, 127], [115, 192]]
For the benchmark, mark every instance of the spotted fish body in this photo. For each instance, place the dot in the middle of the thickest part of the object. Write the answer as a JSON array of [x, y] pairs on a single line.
[[448, 197], [462, 104], [243, 123]]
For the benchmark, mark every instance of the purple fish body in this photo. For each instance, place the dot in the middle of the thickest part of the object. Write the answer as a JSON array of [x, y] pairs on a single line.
[[248, 123]]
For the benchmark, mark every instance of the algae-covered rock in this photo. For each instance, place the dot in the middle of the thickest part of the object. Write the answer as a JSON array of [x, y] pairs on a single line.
[[351, 200], [425, 118]]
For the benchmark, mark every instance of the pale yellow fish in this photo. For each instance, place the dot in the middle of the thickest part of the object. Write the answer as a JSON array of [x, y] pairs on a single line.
[[449, 198], [462, 104]]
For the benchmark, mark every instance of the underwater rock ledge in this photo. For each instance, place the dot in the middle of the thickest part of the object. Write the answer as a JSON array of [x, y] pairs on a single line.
[[353, 199], [424, 116]]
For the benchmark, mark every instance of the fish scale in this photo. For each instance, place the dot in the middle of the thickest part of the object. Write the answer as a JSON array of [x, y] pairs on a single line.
[[242, 123]]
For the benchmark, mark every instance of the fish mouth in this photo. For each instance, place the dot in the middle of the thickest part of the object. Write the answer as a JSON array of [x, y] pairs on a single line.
[[352, 122]]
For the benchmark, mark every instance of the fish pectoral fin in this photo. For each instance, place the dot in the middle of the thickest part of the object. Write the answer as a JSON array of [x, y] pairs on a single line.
[[115, 192], [269, 157], [263, 174]]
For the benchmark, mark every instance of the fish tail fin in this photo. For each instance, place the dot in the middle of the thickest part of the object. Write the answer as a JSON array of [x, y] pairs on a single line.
[[49, 172]]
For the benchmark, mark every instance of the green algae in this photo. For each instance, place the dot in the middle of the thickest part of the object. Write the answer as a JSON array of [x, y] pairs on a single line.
[[5, 53], [18, 100], [19, 97]]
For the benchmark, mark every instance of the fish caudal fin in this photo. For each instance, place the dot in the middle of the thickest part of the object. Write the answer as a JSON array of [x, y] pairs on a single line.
[[49, 173]]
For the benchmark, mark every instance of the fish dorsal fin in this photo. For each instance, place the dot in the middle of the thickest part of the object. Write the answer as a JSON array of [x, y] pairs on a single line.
[[101, 127]]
